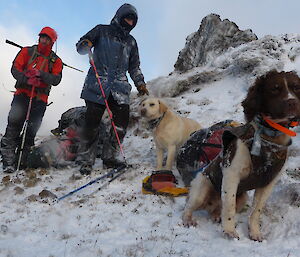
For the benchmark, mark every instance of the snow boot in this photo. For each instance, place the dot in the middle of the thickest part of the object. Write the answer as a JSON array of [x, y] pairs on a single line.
[[110, 154], [8, 161], [86, 169], [9, 169], [8, 156], [112, 163]]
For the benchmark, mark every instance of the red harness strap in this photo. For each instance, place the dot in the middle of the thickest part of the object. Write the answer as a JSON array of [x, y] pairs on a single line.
[[294, 123]]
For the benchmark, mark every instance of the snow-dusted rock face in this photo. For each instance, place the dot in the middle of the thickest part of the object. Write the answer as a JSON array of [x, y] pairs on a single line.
[[213, 38], [246, 61]]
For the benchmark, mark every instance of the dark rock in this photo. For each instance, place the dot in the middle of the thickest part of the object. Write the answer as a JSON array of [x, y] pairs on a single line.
[[43, 172], [31, 182], [17, 181], [6, 180], [60, 189], [33, 198], [18, 190], [30, 174], [3, 229], [212, 39], [47, 194]]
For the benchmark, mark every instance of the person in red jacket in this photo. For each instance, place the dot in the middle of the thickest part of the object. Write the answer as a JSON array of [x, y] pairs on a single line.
[[36, 69]]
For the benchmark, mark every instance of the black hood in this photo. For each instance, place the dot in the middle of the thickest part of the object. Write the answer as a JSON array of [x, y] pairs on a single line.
[[125, 10]]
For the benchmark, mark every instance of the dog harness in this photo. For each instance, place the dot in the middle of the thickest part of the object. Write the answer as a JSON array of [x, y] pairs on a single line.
[[258, 121], [265, 166]]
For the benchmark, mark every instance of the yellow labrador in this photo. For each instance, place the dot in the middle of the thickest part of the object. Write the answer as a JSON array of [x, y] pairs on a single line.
[[170, 131]]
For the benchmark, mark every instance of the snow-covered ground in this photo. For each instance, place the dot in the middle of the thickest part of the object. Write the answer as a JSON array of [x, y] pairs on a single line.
[[118, 220]]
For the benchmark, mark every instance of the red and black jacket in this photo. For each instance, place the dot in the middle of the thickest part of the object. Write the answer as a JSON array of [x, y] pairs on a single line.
[[50, 67]]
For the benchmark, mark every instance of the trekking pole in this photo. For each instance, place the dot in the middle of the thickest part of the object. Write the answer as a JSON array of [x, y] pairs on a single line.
[[106, 103], [24, 129], [15, 44], [71, 67], [109, 174]]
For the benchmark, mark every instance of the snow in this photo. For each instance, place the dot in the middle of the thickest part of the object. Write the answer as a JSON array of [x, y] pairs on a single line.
[[116, 219]]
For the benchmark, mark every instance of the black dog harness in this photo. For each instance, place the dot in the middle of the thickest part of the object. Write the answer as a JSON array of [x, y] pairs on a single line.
[[265, 166]]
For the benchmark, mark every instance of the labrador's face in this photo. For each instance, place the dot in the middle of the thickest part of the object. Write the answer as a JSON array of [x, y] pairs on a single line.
[[152, 108]]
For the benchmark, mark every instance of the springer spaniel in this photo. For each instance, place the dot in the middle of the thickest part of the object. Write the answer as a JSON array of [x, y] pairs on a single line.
[[252, 156]]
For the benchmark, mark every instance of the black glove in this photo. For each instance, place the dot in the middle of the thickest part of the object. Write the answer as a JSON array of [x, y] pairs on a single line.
[[84, 46], [142, 90]]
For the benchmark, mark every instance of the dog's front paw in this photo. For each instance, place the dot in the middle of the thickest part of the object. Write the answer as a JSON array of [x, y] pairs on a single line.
[[231, 234], [256, 236], [254, 231], [188, 221], [216, 216]]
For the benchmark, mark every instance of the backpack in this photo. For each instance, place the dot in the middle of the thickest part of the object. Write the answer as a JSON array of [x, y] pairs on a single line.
[[200, 149], [60, 151], [162, 182], [75, 118], [33, 53], [56, 152], [72, 117]]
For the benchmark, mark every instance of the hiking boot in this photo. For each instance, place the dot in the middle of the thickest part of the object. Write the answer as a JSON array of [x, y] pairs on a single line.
[[86, 169], [9, 169], [23, 166], [112, 163]]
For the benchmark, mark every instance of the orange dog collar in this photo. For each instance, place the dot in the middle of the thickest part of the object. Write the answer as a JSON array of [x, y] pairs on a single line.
[[282, 128]]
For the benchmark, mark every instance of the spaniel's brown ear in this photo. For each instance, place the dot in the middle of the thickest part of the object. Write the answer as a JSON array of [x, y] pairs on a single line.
[[252, 102], [162, 107]]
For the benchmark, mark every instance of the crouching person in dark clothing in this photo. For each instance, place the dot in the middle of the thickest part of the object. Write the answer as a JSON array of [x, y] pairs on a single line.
[[115, 53], [36, 69]]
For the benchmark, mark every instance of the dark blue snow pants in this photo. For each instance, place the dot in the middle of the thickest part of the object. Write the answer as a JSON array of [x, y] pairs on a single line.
[[16, 118], [89, 138]]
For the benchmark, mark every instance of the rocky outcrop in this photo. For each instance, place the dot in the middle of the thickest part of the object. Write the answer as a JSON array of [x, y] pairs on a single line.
[[246, 61], [213, 38]]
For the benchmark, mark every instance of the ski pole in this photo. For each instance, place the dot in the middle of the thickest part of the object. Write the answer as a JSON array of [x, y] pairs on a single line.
[[106, 103], [15, 44], [24, 129], [108, 174]]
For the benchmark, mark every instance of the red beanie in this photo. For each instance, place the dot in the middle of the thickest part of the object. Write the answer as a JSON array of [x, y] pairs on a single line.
[[50, 33]]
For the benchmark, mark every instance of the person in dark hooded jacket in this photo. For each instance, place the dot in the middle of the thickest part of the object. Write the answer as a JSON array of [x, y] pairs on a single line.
[[115, 53]]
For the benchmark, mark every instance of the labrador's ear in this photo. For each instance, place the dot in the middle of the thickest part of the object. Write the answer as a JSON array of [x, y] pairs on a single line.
[[141, 102], [162, 107]]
